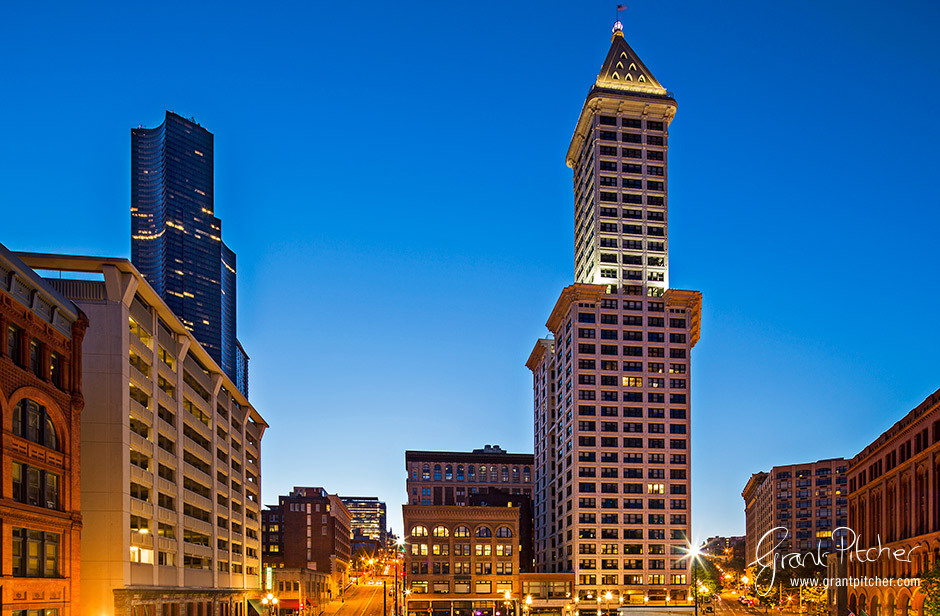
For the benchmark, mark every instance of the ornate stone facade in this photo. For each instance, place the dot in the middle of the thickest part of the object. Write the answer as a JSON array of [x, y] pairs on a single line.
[[894, 503], [41, 403]]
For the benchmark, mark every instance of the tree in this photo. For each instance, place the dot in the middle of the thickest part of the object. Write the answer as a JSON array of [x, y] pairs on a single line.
[[930, 586], [735, 566], [708, 575]]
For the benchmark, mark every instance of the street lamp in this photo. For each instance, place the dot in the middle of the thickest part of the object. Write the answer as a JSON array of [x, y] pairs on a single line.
[[607, 597], [507, 596], [692, 554], [270, 602]]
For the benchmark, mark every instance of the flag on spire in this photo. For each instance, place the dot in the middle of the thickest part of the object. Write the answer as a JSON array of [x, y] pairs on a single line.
[[621, 7]]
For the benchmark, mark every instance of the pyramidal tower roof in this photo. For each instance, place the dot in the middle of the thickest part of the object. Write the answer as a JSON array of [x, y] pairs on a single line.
[[623, 69]]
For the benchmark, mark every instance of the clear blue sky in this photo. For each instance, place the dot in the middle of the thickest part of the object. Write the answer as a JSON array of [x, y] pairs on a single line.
[[392, 177]]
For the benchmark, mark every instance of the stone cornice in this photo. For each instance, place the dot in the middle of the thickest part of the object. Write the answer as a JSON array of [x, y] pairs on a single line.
[[459, 514], [573, 293], [630, 103], [904, 426], [541, 348], [691, 301]]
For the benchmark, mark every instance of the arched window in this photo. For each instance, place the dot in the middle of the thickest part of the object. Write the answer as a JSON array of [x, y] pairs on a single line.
[[419, 531], [448, 473], [461, 531], [30, 421], [504, 475], [493, 475], [482, 472], [440, 531], [426, 472], [484, 531], [437, 472], [504, 531], [460, 472], [515, 474], [526, 475]]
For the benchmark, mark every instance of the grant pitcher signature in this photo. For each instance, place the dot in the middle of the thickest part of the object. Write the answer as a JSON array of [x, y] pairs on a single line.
[[768, 560]]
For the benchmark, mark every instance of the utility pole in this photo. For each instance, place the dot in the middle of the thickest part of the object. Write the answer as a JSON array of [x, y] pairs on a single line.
[[396, 584], [384, 600]]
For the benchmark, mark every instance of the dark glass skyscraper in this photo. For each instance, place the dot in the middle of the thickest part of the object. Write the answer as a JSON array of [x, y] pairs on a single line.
[[176, 240]]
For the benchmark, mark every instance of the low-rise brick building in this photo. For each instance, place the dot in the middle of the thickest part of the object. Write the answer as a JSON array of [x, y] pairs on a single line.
[[309, 529], [41, 402]]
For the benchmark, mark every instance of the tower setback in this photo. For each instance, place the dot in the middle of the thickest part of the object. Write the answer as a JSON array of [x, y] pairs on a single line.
[[176, 239], [612, 383]]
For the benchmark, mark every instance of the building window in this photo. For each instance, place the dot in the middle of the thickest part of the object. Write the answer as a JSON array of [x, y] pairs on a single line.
[[13, 343], [35, 486], [55, 369], [30, 421], [35, 357], [35, 553]]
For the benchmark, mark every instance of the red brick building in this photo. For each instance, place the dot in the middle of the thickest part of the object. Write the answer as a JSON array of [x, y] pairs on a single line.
[[41, 402], [308, 529]]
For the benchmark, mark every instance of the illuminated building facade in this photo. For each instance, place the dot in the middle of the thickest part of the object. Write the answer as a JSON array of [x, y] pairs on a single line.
[[41, 402], [612, 384], [367, 517], [171, 455], [463, 560], [894, 504], [801, 503], [299, 589], [450, 477], [176, 240], [309, 529]]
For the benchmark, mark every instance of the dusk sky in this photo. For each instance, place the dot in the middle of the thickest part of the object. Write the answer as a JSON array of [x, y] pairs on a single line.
[[392, 178]]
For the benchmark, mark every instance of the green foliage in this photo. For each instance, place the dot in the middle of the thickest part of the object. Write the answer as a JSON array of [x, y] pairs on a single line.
[[707, 573], [815, 594], [735, 567], [930, 586]]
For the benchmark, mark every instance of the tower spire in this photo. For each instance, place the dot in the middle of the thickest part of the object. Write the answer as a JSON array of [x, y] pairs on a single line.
[[623, 69]]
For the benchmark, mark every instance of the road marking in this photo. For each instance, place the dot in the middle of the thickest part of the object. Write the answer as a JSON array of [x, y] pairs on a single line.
[[371, 597]]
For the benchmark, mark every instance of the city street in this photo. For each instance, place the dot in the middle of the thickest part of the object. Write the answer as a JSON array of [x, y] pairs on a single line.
[[729, 606], [359, 601]]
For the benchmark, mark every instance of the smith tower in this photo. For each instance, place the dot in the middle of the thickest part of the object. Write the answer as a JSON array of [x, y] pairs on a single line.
[[176, 239], [612, 384]]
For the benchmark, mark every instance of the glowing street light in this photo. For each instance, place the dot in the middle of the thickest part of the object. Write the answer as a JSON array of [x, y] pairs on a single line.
[[270, 602], [693, 553]]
